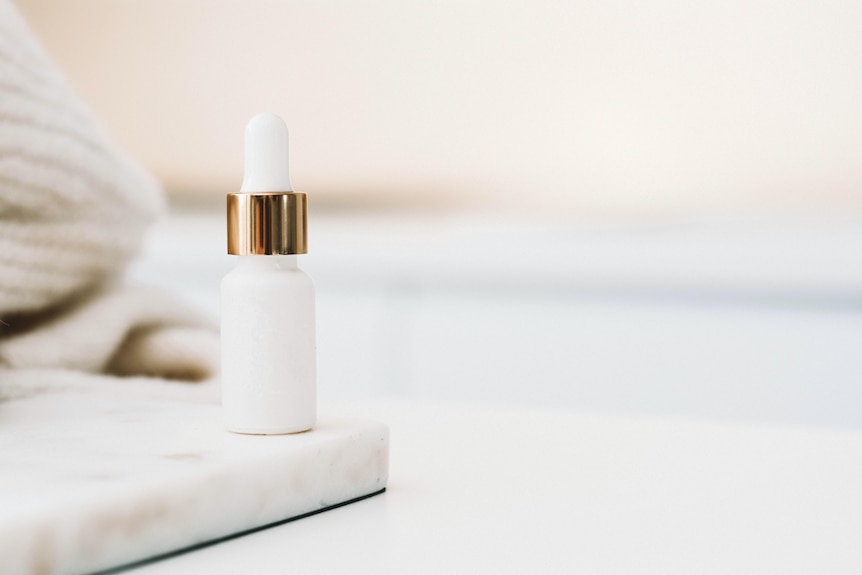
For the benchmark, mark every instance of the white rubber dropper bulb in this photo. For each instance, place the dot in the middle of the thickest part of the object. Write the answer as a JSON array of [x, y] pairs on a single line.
[[266, 167]]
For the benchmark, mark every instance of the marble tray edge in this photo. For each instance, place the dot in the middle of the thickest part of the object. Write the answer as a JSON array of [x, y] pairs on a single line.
[[203, 544]]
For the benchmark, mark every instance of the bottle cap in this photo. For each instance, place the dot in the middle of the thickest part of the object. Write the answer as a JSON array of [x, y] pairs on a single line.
[[267, 223], [266, 217]]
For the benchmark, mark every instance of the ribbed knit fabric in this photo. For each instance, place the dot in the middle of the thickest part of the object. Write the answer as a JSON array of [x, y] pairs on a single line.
[[73, 210]]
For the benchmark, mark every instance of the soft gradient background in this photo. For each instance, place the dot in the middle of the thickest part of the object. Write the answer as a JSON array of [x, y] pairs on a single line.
[[648, 207], [587, 107]]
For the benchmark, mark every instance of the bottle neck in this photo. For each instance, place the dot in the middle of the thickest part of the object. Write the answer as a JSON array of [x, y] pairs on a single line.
[[268, 262]]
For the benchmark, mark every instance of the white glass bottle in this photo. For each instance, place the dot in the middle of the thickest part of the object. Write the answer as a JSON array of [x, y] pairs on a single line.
[[267, 302]]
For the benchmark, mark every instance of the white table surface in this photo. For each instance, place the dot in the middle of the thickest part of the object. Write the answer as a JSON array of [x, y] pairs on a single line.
[[481, 490], [729, 322]]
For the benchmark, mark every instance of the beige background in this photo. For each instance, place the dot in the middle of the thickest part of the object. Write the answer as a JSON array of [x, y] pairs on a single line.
[[580, 107]]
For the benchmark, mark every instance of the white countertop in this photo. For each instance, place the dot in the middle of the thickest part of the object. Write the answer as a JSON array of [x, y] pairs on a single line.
[[478, 490], [726, 352]]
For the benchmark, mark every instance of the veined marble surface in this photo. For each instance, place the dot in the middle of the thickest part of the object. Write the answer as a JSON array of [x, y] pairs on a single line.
[[90, 482]]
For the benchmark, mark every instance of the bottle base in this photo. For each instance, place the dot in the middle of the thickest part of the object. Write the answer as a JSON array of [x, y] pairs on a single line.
[[269, 430]]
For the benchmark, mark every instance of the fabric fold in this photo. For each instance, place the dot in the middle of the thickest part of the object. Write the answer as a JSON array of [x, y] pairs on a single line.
[[73, 211]]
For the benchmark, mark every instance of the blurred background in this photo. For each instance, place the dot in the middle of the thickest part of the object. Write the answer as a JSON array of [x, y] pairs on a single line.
[[605, 206]]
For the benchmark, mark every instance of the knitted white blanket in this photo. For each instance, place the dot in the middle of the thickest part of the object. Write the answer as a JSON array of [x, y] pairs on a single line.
[[73, 210]]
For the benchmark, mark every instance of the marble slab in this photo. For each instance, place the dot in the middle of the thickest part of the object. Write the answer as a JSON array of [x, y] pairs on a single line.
[[89, 483]]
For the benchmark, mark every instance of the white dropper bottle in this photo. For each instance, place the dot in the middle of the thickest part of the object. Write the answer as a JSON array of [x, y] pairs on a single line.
[[267, 302]]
